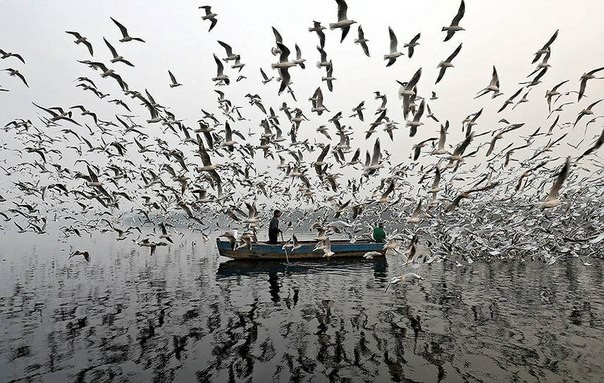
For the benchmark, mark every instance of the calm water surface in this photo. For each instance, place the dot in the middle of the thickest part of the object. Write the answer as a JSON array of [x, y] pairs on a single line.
[[185, 315]]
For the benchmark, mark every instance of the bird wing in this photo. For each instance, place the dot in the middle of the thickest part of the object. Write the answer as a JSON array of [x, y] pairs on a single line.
[[342, 8], [393, 41], [111, 48], [460, 13], [227, 48], [122, 28], [455, 52], [220, 70]]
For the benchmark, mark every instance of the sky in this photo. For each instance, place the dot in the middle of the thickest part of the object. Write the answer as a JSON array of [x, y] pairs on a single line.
[[504, 34]]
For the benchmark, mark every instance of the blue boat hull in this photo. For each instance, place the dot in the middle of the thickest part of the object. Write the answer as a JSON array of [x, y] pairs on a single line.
[[260, 251]]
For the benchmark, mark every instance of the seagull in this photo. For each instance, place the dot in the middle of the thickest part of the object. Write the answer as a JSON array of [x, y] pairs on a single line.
[[220, 76], [415, 123], [403, 278], [595, 146], [343, 23], [317, 27], [265, 78], [443, 65], [5, 55], [440, 149], [415, 217], [510, 100], [394, 53], [299, 60], [362, 40], [411, 45], [329, 78], [116, 57], [229, 51], [209, 16], [545, 49], [125, 37], [553, 92], [15, 72], [174, 83], [81, 39], [587, 76], [587, 111], [454, 27], [553, 198], [83, 253], [493, 86]]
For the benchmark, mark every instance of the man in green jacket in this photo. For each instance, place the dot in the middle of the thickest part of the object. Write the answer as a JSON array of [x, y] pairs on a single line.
[[379, 235]]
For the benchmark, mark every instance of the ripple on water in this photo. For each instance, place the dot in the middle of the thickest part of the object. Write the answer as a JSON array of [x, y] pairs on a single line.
[[129, 316]]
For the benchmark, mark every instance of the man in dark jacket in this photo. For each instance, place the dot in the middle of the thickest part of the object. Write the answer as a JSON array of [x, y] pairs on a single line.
[[273, 227]]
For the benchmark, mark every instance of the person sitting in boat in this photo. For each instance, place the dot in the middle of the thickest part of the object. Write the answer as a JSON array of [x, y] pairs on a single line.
[[273, 227], [379, 235]]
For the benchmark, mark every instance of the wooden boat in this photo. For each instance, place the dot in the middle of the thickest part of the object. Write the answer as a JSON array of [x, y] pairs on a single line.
[[262, 250]]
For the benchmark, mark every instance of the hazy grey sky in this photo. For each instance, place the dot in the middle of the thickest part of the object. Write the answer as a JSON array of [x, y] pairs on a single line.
[[501, 33]]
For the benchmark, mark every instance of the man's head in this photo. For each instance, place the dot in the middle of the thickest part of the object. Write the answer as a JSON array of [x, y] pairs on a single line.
[[277, 213], [381, 224]]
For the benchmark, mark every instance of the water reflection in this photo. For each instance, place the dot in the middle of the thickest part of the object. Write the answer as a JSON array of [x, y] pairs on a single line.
[[183, 314]]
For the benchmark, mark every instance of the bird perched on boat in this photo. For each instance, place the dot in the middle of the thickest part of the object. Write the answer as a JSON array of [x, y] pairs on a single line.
[[125, 37], [454, 27], [343, 22], [209, 16], [81, 39]]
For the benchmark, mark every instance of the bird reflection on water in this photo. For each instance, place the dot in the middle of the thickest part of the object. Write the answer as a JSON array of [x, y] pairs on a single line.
[[186, 315]]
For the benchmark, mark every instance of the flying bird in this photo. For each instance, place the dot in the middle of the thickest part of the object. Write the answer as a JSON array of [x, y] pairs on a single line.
[[5, 55], [394, 53], [343, 22], [454, 27], [411, 45], [16, 73], [443, 65], [553, 198], [125, 37], [587, 76], [545, 49], [209, 16], [173, 83], [362, 40], [116, 57], [81, 39]]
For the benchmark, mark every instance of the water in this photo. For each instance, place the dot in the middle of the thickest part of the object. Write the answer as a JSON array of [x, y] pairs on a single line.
[[185, 314]]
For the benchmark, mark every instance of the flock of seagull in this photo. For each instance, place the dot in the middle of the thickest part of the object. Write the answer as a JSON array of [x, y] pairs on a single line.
[[70, 166]]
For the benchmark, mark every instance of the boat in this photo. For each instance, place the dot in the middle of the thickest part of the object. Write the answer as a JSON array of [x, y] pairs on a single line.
[[266, 251]]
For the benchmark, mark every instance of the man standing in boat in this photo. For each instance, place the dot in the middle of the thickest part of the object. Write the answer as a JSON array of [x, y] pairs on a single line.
[[273, 227]]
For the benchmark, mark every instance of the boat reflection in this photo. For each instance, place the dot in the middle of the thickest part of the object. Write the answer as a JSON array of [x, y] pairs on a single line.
[[234, 268]]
